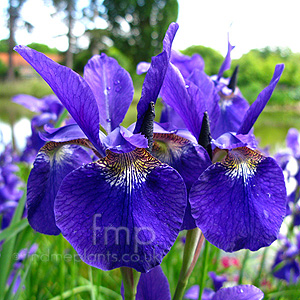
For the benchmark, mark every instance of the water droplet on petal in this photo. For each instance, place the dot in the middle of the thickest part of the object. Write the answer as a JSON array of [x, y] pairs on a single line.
[[108, 88], [266, 214], [187, 86], [241, 290], [108, 120], [118, 89], [117, 82]]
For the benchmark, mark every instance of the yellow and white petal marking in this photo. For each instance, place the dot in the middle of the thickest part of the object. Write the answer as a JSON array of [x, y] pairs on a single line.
[[241, 162], [128, 169]]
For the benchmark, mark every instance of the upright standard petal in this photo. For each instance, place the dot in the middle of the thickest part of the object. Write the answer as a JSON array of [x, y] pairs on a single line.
[[259, 104], [71, 89], [169, 37], [232, 112], [112, 87], [210, 95], [123, 210], [240, 202], [227, 61], [186, 99], [155, 77], [169, 119], [187, 64], [52, 164]]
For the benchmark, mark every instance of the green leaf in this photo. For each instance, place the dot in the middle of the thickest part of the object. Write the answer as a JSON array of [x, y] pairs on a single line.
[[7, 251], [13, 230]]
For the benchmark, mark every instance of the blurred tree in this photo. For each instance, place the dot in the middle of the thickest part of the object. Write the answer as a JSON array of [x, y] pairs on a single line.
[[212, 58], [70, 9], [138, 26], [42, 48], [14, 9], [97, 40], [258, 64]]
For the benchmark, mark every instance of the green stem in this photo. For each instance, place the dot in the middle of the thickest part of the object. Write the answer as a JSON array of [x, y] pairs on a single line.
[[204, 268], [130, 280], [73, 273], [285, 293], [243, 267], [90, 271], [193, 244], [61, 265], [61, 118], [7, 249], [262, 263]]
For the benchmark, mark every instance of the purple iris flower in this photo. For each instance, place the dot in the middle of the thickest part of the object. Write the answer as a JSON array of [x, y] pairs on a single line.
[[48, 110], [286, 265], [226, 105], [239, 202], [10, 184], [22, 255], [153, 285], [296, 212], [184, 63], [240, 292], [126, 208], [288, 160], [218, 280]]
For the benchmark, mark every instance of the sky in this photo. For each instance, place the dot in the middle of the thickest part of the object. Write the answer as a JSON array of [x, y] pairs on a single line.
[[250, 24]]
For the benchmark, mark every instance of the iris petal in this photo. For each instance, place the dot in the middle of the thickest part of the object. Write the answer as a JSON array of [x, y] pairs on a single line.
[[240, 292], [211, 97], [186, 64], [32, 103], [227, 61], [71, 89], [112, 87], [52, 164], [188, 159], [232, 111], [123, 210], [153, 285], [170, 119], [240, 202], [122, 140], [187, 100], [155, 77], [62, 134], [259, 104]]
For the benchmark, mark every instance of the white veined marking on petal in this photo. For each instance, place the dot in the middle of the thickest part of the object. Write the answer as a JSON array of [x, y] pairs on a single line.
[[241, 163], [130, 171]]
